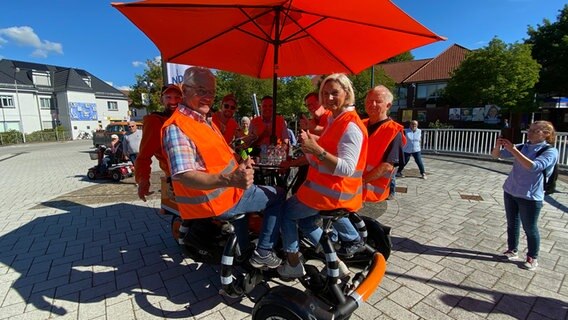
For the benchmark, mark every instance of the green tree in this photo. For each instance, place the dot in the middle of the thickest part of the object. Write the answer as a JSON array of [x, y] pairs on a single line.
[[405, 56], [550, 48], [242, 87], [149, 83], [291, 93], [501, 74]]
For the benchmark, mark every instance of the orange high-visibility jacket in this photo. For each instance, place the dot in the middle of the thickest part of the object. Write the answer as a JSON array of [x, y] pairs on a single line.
[[218, 158], [379, 189], [151, 145], [324, 191], [263, 132], [230, 127]]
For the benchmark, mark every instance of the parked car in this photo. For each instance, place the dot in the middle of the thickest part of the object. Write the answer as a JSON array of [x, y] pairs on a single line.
[[119, 128]]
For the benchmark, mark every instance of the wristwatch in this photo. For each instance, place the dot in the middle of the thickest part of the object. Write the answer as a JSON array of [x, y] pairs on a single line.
[[321, 156]]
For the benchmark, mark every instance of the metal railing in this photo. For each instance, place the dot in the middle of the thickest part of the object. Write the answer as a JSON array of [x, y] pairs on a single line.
[[478, 142]]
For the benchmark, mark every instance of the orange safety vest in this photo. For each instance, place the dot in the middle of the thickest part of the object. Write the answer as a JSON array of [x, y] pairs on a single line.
[[325, 191], [379, 189], [230, 127], [218, 158], [262, 130]]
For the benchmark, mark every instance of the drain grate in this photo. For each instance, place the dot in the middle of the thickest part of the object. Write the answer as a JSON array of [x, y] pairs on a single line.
[[471, 197], [401, 189]]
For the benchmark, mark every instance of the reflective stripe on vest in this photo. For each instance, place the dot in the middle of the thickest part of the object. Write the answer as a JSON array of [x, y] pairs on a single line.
[[211, 195], [335, 194], [324, 169]]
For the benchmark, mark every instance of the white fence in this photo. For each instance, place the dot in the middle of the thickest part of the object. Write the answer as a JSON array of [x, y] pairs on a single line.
[[477, 142]]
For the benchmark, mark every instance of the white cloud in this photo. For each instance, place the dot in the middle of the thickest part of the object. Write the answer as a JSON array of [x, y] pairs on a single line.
[[137, 64], [124, 88], [25, 36]]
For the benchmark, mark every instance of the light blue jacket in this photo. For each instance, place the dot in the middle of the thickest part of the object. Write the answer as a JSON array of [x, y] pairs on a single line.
[[529, 183]]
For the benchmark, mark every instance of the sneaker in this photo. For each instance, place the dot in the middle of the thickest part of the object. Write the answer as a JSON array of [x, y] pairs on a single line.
[[391, 197], [424, 177], [348, 249], [399, 175], [531, 263], [288, 272], [511, 254], [271, 260]]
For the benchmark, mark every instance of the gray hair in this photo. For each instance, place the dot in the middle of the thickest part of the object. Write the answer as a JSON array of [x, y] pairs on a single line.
[[247, 119], [385, 93], [345, 84], [193, 72]]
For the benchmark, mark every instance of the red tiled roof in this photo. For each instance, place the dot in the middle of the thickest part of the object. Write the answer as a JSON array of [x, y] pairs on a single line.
[[399, 71], [438, 68]]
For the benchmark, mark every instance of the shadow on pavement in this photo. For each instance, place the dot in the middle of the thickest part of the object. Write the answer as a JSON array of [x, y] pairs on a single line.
[[513, 305], [409, 245], [120, 251]]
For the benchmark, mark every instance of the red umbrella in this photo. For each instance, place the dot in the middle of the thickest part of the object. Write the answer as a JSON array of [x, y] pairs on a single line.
[[271, 38]]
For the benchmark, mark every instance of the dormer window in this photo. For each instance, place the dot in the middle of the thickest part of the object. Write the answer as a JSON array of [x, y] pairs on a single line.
[[41, 78], [87, 80]]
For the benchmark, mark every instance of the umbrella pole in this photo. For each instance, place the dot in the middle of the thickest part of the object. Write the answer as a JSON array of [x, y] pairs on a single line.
[[273, 138]]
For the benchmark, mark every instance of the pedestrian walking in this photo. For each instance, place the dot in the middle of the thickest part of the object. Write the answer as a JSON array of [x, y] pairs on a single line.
[[413, 148]]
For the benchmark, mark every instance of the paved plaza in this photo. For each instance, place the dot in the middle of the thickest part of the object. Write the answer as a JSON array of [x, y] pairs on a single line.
[[71, 248]]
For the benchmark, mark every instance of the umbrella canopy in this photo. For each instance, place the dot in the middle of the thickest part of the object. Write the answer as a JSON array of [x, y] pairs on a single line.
[[271, 38]]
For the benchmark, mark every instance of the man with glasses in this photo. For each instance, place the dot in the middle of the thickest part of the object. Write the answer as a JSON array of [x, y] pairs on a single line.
[[151, 144], [261, 127], [224, 120], [206, 179], [132, 141]]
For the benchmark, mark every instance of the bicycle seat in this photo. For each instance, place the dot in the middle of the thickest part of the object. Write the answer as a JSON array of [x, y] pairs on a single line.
[[334, 213]]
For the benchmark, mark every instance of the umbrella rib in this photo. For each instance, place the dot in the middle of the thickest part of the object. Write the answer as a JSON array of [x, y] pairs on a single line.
[[305, 30], [236, 27], [432, 35]]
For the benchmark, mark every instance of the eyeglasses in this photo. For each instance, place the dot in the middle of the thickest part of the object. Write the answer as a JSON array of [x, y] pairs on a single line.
[[536, 130], [202, 92], [172, 97], [131, 126], [229, 106]]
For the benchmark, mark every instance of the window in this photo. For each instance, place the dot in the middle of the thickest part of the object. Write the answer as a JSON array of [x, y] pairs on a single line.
[[47, 124], [400, 96], [112, 105], [41, 79], [45, 103], [87, 80], [430, 90], [7, 102]]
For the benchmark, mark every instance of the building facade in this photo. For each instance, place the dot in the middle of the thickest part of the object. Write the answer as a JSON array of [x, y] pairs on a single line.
[[35, 97]]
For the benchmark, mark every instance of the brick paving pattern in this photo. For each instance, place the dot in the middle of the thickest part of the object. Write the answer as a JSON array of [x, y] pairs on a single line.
[[71, 248]]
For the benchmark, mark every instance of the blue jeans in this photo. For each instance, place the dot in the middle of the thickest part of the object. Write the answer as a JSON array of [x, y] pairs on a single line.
[[519, 210], [417, 158], [258, 198], [392, 185], [297, 214]]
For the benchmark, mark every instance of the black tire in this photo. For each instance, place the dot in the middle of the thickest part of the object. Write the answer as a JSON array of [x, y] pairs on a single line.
[[275, 312], [116, 176], [378, 236], [91, 175]]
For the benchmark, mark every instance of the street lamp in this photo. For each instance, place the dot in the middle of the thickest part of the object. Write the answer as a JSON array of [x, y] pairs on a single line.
[[16, 70]]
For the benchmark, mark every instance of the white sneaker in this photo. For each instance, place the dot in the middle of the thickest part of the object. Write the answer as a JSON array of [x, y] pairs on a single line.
[[531, 263], [342, 267], [511, 254], [424, 177], [288, 272]]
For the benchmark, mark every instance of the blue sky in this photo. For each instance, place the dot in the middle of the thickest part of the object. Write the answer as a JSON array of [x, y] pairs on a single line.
[[94, 36]]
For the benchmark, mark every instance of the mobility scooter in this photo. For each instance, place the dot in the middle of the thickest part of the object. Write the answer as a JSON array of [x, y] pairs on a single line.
[[117, 170]]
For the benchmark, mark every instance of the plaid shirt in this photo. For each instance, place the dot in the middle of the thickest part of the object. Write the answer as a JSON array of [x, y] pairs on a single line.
[[182, 152]]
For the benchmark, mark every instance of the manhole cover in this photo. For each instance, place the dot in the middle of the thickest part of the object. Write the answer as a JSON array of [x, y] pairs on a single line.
[[471, 197]]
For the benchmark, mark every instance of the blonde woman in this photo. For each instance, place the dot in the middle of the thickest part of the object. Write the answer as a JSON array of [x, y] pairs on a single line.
[[524, 187]]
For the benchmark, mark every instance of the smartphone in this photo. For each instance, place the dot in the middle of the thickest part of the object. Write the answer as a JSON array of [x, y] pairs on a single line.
[[507, 133]]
